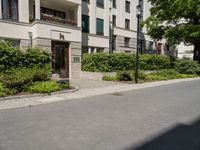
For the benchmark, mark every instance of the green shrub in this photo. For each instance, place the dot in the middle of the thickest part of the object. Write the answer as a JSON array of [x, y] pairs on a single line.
[[104, 62], [154, 62], [41, 74], [5, 91], [166, 75], [186, 66], [109, 78], [36, 56], [43, 87], [125, 76], [18, 78], [154, 77], [11, 57]]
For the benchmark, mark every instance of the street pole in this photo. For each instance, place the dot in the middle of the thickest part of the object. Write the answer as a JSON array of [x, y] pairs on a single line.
[[138, 41]]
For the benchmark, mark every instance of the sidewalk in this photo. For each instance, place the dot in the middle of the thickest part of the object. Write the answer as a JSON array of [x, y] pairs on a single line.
[[87, 88]]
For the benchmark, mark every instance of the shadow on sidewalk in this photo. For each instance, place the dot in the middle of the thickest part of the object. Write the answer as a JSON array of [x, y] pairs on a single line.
[[181, 137]]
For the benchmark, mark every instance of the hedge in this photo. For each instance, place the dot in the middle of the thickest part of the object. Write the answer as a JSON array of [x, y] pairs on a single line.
[[11, 57], [105, 62]]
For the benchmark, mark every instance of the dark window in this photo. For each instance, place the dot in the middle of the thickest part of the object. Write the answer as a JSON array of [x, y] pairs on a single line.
[[127, 6], [100, 3], [100, 50], [10, 9], [127, 23], [86, 23], [114, 20], [114, 4], [86, 1], [100, 26], [126, 42]]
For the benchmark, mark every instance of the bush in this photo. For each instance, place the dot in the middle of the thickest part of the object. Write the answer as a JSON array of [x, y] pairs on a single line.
[[154, 77], [18, 78], [154, 62], [15, 58], [125, 76], [186, 66], [5, 91], [43, 87], [104, 62]]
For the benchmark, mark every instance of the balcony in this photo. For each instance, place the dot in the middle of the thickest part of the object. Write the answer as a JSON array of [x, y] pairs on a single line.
[[59, 11], [52, 18]]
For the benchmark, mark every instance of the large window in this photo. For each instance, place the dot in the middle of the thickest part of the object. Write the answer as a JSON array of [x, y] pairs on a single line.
[[10, 9], [86, 23], [100, 26], [114, 4], [127, 24], [100, 3], [126, 42], [114, 20], [127, 6]]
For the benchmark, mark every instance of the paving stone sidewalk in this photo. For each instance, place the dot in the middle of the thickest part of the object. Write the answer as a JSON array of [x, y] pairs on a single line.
[[87, 88]]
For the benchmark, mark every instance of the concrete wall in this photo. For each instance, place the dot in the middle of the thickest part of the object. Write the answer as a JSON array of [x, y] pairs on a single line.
[[75, 60]]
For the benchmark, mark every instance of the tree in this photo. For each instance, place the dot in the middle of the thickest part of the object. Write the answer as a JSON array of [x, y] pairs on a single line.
[[177, 21]]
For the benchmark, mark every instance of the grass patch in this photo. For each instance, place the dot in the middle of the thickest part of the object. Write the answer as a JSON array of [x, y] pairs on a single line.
[[167, 75], [46, 87]]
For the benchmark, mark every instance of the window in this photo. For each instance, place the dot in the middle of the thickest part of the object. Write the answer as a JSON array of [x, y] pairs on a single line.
[[127, 24], [114, 4], [127, 6], [126, 42], [100, 26], [85, 23], [12, 42], [100, 3], [10, 9], [114, 20], [100, 50]]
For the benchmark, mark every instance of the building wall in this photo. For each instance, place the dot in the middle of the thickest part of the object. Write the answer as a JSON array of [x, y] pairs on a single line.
[[106, 13]]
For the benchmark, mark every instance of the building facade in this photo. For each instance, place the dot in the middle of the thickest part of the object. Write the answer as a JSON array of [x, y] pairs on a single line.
[[111, 25], [52, 25]]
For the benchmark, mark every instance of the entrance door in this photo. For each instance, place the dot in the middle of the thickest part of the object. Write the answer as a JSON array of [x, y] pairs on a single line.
[[60, 52]]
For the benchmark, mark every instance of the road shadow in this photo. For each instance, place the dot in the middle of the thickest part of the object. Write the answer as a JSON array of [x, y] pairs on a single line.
[[181, 137]]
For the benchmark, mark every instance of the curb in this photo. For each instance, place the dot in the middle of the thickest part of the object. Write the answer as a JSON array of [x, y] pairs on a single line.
[[38, 95]]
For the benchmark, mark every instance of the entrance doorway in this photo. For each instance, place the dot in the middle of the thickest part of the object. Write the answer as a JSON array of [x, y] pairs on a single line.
[[60, 51]]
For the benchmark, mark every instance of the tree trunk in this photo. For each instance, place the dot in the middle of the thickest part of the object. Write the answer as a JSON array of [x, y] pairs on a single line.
[[197, 52]]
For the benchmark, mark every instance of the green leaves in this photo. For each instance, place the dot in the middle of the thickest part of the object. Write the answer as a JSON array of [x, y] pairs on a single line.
[[175, 20], [13, 57], [104, 62]]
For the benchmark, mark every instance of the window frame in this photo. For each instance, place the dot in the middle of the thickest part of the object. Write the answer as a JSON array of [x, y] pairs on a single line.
[[99, 33]]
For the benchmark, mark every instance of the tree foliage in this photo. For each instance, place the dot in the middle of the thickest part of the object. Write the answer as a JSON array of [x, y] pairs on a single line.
[[177, 21]]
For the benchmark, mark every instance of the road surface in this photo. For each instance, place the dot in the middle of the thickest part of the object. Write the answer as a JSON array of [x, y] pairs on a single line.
[[159, 118]]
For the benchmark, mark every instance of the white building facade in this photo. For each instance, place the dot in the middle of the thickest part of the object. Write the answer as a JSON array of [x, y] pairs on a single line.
[[52, 25], [111, 25]]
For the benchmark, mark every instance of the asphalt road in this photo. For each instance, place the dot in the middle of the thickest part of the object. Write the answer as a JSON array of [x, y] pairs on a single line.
[[159, 118]]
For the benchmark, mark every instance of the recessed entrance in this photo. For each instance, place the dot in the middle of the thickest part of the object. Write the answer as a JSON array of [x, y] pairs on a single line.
[[60, 64]]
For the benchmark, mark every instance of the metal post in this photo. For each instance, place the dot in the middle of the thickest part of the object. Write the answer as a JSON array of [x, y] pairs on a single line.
[[137, 51]]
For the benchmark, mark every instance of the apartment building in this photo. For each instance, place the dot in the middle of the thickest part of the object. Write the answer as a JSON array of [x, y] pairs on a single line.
[[111, 25], [54, 25]]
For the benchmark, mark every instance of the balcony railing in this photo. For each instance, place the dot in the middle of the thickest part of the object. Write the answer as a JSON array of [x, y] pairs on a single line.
[[52, 18]]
